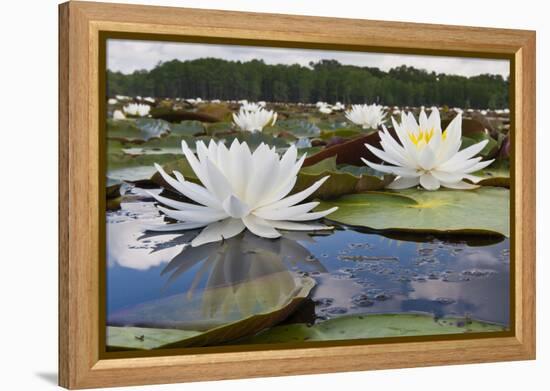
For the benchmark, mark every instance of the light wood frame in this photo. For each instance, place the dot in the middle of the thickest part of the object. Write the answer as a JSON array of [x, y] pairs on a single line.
[[80, 23]]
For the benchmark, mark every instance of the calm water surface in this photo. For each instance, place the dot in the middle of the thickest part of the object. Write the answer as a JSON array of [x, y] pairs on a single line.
[[156, 280]]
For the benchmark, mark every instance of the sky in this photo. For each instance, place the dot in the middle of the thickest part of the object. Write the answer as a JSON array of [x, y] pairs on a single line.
[[127, 56]]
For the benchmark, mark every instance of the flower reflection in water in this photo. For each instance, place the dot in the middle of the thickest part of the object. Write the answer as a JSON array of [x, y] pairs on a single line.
[[230, 280]]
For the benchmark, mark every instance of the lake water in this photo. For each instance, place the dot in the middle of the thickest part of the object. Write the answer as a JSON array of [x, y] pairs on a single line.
[[156, 280]]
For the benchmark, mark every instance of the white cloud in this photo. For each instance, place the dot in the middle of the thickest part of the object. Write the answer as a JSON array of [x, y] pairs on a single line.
[[129, 55]]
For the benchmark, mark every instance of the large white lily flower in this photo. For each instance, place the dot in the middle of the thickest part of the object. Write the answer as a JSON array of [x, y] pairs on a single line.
[[240, 190], [136, 109], [366, 116], [254, 121], [426, 155]]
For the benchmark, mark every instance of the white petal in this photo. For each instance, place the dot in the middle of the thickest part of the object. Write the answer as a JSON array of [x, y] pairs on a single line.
[[189, 189], [428, 182], [208, 215], [403, 183], [426, 158], [260, 227], [173, 203], [295, 198], [444, 176], [285, 213], [218, 183], [385, 156], [479, 166], [313, 215], [218, 231], [465, 154], [401, 171], [235, 207]]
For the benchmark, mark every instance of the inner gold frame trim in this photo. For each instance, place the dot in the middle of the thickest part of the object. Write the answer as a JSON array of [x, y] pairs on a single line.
[[84, 28]]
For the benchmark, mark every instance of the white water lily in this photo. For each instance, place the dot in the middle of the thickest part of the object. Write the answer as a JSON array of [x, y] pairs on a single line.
[[338, 106], [118, 115], [149, 99], [428, 156], [240, 190], [325, 108], [254, 121], [136, 109], [366, 116], [112, 101]]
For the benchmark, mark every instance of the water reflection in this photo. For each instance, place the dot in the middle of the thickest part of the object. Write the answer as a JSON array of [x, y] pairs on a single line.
[[157, 280], [219, 282]]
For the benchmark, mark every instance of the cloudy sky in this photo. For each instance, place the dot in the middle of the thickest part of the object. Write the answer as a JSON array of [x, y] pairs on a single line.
[[129, 55]]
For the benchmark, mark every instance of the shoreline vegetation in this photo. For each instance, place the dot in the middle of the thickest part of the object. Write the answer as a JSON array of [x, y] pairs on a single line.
[[326, 80]]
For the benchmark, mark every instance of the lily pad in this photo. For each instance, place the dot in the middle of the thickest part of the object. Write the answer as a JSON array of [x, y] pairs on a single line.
[[482, 211], [188, 128], [490, 149], [497, 174], [340, 182], [299, 128], [255, 139], [144, 338], [371, 326]]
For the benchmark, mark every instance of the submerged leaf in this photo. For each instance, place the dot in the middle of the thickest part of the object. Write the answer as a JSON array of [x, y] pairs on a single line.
[[251, 295]]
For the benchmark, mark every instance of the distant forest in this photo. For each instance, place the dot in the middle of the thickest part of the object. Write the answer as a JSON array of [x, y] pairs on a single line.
[[327, 80]]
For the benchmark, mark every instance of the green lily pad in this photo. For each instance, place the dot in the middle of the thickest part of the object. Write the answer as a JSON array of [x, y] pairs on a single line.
[[344, 133], [299, 128], [371, 326], [144, 338], [188, 128], [482, 211], [497, 174], [255, 139], [249, 294], [489, 150], [341, 181]]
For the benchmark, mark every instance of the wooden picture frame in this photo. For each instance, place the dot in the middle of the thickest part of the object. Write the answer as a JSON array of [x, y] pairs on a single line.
[[81, 23]]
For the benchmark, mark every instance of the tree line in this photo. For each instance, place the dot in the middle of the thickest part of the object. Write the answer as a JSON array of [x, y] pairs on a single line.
[[326, 80]]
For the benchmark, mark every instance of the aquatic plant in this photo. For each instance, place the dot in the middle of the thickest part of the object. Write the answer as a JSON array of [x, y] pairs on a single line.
[[241, 189], [426, 155], [254, 121], [136, 109], [366, 116]]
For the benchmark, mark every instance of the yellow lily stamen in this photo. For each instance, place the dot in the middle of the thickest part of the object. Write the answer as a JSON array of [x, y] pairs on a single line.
[[422, 138]]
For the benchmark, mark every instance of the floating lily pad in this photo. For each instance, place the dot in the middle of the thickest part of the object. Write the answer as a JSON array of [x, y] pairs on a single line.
[[299, 128], [132, 168], [481, 211], [490, 149], [341, 181], [344, 133], [250, 294], [497, 174], [371, 326], [255, 139], [144, 338], [188, 128]]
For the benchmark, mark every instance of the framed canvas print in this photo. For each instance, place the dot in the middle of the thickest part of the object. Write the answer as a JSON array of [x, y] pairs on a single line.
[[248, 195]]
